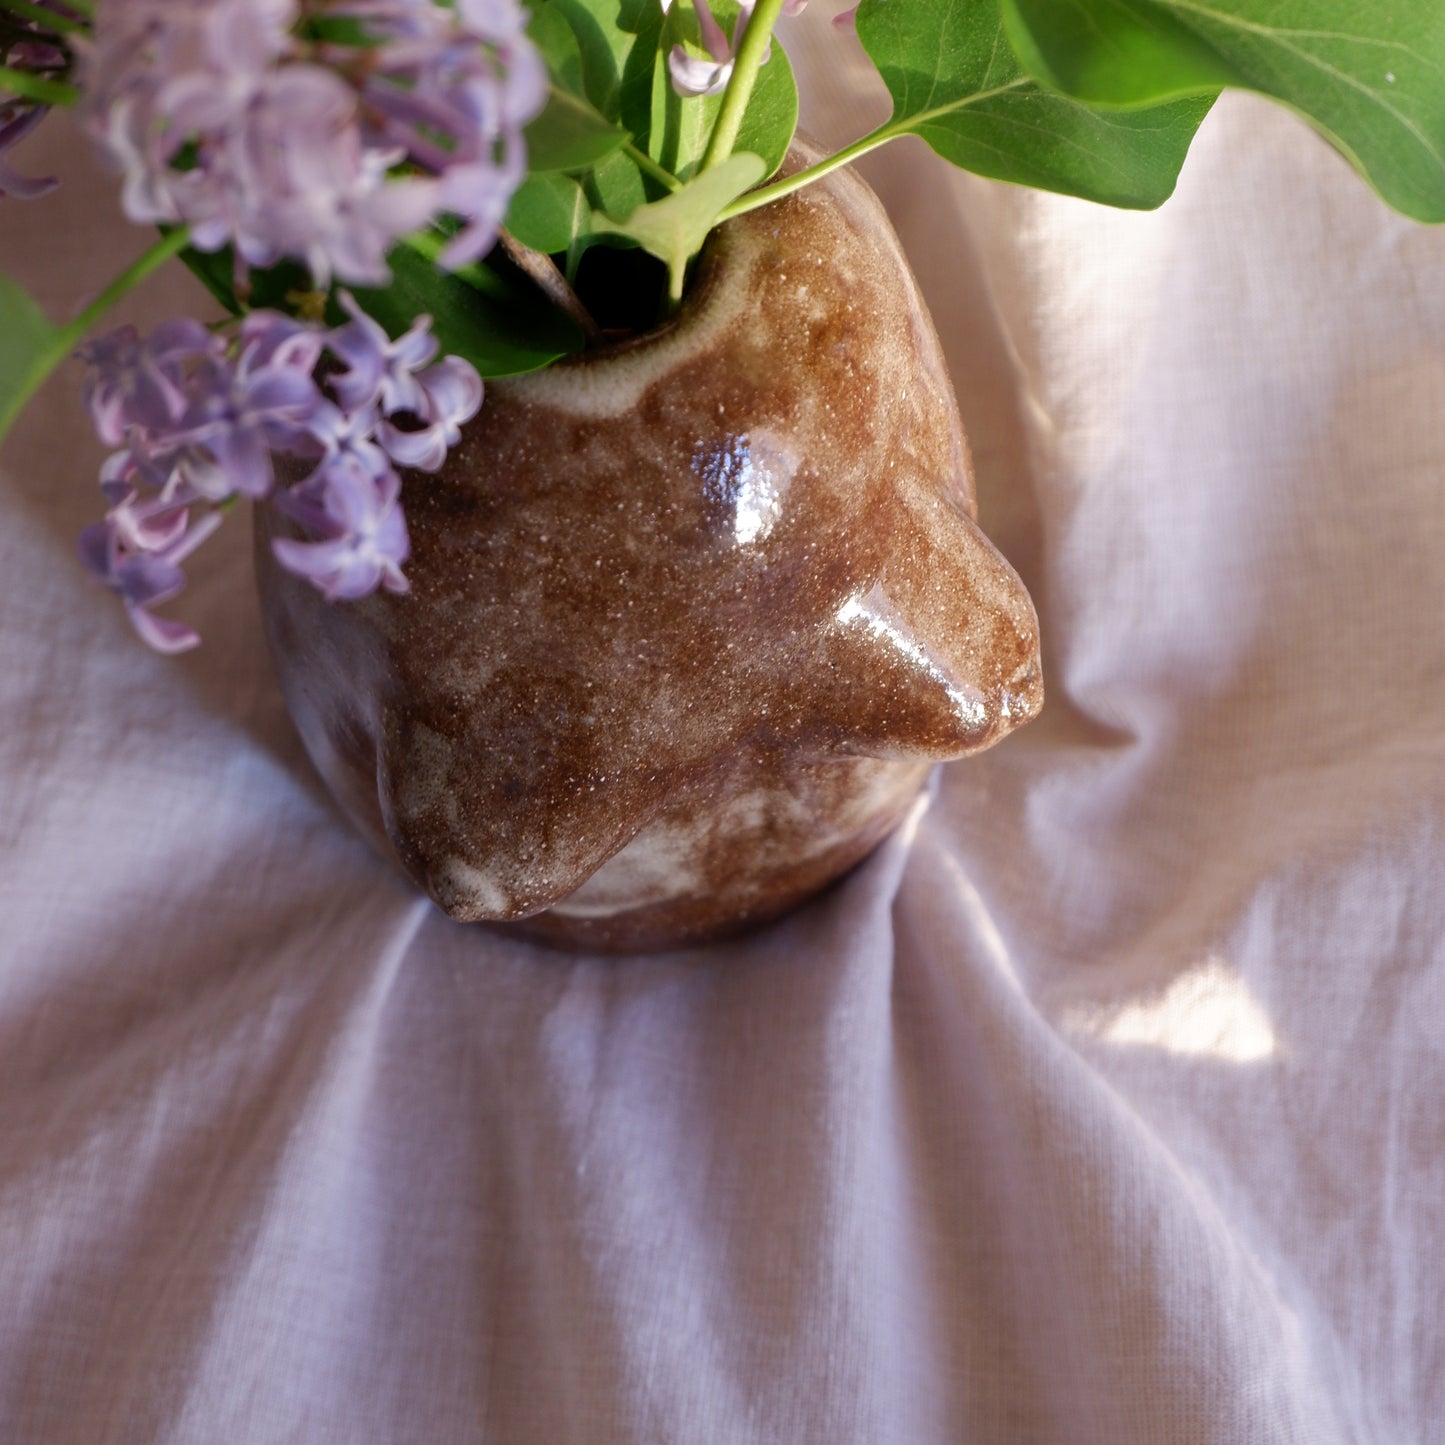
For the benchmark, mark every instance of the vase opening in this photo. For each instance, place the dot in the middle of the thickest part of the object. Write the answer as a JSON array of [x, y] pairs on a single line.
[[624, 290]]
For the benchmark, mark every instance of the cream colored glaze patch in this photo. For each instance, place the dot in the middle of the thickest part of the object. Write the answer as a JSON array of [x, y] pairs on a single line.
[[666, 863], [464, 889], [612, 390], [657, 866]]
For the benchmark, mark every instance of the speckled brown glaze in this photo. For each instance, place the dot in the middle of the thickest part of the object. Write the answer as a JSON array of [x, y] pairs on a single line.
[[689, 619]]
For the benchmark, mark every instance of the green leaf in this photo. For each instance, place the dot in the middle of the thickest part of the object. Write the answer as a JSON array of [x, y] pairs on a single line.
[[956, 83], [506, 330], [503, 326], [674, 228], [772, 115], [1370, 75], [570, 135], [27, 340], [617, 186], [214, 270], [550, 32], [333, 30], [607, 52], [1115, 58], [270, 288], [549, 213], [618, 50]]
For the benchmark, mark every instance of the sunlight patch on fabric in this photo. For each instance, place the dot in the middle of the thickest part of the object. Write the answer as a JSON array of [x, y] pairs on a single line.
[[1207, 1012]]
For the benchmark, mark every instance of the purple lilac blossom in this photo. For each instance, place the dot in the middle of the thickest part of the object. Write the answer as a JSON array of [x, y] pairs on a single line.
[[197, 417], [234, 417], [451, 394], [361, 532], [385, 378], [692, 75], [454, 88], [378, 368], [137, 552], [218, 115], [130, 385], [337, 434]]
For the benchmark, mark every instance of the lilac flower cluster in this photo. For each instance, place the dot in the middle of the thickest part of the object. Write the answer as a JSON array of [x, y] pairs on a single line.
[[26, 47], [251, 122], [693, 75], [197, 416]]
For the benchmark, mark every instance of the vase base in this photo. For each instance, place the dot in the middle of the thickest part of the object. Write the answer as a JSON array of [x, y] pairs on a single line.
[[746, 900]]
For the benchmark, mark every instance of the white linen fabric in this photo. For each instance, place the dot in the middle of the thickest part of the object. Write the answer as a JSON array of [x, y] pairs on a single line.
[[1102, 1105]]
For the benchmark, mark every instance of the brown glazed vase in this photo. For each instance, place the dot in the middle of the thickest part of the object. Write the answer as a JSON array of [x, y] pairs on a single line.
[[689, 618]]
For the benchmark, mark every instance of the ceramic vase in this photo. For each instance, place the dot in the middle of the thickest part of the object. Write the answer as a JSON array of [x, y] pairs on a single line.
[[690, 617]]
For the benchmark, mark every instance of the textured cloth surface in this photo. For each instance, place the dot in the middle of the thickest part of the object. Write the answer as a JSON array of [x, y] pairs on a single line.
[[1102, 1105]]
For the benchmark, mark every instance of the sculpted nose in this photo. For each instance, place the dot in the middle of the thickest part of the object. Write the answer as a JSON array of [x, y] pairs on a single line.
[[938, 656]]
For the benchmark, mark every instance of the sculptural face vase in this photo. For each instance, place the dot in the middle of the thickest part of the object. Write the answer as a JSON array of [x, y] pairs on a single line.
[[689, 619]]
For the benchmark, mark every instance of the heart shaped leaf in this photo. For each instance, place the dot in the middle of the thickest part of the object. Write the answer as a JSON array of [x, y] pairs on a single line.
[[618, 55], [674, 228]]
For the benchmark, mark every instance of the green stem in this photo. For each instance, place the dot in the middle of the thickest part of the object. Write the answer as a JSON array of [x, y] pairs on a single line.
[[52, 20], [645, 162], [751, 200], [890, 130], [36, 87], [746, 64], [65, 339]]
